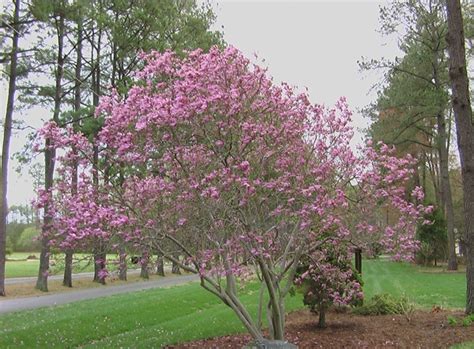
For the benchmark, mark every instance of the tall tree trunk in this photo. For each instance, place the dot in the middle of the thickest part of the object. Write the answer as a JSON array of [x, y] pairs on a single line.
[[465, 133], [99, 250], [446, 196], [67, 279], [7, 131], [50, 157]]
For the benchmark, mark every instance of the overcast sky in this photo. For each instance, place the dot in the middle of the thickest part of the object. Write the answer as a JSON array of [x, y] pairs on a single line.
[[313, 44]]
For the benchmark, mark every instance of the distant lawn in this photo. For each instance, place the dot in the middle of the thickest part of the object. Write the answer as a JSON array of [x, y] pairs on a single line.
[[18, 266], [421, 285], [157, 317]]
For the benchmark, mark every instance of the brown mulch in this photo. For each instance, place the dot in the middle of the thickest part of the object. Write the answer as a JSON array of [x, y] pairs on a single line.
[[424, 329]]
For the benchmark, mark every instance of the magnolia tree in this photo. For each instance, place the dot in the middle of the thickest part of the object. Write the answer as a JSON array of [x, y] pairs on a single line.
[[229, 176]]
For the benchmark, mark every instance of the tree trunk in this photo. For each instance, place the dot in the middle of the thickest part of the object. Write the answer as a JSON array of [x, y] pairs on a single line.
[[67, 279], [160, 265], [144, 266], [322, 317], [446, 196], [7, 130], [175, 267], [49, 157], [465, 133], [99, 263], [122, 264], [99, 255]]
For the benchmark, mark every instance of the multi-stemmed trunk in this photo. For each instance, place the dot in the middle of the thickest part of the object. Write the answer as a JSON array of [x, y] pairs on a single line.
[[465, 133], [7, 130], [277, 288]]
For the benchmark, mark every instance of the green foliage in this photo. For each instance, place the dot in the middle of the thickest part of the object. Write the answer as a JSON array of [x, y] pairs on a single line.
[[384, 304], [465, 321], [9, 246], [433, 238], [14, 230], [92, 126], [452, 320], [29, 240]]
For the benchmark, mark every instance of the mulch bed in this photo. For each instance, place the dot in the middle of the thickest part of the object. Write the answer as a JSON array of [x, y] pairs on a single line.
[[423, 330]]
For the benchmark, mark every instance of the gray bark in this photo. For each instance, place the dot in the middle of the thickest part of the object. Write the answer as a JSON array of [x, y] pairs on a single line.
[[67, 279], [144, 266], [7, 130], [122, 264], [446, 196], [160, 265], [465, 133]]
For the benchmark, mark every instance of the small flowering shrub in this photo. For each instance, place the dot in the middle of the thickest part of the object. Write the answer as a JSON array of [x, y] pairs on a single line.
[[326, 278]]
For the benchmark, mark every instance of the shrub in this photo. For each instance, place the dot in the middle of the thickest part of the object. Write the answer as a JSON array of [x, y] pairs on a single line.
[[384, 304], [9, 246], [28, 241], [326, 278], [433, 238], [452, 320]]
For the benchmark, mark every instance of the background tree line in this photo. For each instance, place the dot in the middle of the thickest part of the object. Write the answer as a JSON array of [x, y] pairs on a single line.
[[413, 111], [64, 55]]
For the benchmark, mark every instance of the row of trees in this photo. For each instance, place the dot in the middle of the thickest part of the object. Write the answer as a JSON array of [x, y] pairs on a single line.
[[413, 110], [64, 55], [417, 107]]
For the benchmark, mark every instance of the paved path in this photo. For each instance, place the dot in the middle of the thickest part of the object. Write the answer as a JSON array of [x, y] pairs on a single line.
[[12, 305]]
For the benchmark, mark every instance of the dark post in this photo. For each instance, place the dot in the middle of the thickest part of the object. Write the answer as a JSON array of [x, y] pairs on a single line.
[[358, 260]]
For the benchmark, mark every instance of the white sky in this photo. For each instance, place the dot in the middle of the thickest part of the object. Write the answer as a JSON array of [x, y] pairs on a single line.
[[313, 44]]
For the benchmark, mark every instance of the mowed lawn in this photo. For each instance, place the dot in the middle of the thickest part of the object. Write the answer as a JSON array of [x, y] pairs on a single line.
[[18, 266], [164, 316], [142, 319], [424, 286]]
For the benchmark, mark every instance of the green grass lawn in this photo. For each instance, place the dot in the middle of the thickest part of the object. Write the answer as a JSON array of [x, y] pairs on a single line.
[[420, 285], [140, 320], [153, 318], [18, 266]]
